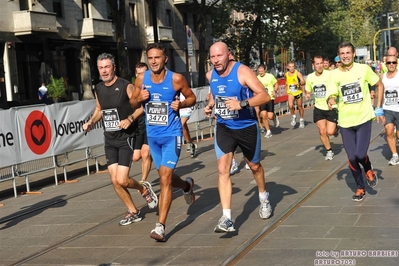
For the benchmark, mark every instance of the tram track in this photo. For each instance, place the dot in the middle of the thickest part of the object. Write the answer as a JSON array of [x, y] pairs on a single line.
[[256, 239]]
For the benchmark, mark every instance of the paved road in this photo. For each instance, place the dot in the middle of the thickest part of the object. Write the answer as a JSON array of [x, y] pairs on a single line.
[[77, 223]]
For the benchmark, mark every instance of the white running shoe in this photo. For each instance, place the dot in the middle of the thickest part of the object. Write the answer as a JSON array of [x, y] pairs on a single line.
[[224, 225], [268, 134], [329, 155], [149, 196], [293, 120], [234, 167], [265, 209], [158, 233], [394, 160], [247, 167], [301, 123], [276, 121]]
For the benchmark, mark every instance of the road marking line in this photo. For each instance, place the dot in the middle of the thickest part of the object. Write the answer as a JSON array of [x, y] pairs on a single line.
[[306, 151]]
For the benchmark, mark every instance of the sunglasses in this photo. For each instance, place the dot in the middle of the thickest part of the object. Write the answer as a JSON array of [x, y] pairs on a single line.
[[391, 63]]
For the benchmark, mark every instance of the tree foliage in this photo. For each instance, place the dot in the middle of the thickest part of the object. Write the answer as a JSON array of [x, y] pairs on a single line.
[[313, 27]]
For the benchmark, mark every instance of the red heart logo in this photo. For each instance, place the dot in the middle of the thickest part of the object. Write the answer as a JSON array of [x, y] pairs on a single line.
[[38, 132]]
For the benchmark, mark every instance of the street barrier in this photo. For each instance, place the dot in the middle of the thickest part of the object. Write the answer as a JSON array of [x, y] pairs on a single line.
[[38, 138]]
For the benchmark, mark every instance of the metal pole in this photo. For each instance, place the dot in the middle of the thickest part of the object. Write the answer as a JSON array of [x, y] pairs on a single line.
[[375, 36], [389, 31]]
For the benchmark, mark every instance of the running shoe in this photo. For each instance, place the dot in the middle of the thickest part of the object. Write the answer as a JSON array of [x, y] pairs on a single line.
[[336, 133], [293, 120], [394, 160], [301, 123], [131, 217], [188, 149], [265, 209], [193, 150], [224, 225], [262, 130], [234, 167], [189, 196], [149, 195], [359, 195], [329, 155], [268, 134], [372, 178], [158, 233], [276, 121], [247, 167]]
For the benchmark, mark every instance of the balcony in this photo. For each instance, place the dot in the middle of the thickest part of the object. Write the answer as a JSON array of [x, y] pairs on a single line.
[[93, 27], [28, 22], [179, 2], [164, 34]]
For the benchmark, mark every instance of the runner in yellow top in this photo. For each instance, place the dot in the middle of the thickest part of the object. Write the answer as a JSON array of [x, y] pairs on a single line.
[[266, 111], [325, 119], [294, 82], [348, 87]]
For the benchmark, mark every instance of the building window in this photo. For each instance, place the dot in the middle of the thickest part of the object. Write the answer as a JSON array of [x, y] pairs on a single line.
[[149, 22], [168, 21], [195, 22], [57, 8], [132, 14]]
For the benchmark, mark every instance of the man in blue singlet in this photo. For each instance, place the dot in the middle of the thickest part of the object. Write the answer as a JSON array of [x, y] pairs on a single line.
[[235, 90], [158, 90]]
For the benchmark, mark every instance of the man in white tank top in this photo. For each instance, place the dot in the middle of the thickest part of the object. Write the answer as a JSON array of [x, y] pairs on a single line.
[[390, 105]]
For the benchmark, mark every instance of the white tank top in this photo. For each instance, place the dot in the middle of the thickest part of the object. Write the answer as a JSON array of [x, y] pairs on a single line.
[[391, 92]]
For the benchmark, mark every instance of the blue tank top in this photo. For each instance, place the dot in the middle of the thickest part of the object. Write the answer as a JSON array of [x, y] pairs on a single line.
[[229, 87], [161, 120]]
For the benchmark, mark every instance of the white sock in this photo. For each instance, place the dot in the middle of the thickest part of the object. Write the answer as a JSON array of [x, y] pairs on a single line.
[[234, 162], [227, 213], [263, 195], [294, 116], [395, 155], [300, 119]]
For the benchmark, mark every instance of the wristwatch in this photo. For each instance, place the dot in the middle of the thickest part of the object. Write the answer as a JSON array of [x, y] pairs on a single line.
[[244, 104]]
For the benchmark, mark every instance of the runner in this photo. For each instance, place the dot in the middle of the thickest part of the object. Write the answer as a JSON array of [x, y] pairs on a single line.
[[348, 87], [325, 119], [294, 83]]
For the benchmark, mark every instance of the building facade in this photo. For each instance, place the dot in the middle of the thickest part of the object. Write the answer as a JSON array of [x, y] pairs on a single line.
[[62, 38]]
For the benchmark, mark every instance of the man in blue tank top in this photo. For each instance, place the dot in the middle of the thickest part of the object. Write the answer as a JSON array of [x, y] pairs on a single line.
[[235, 90], [112, 106], [158, 90]]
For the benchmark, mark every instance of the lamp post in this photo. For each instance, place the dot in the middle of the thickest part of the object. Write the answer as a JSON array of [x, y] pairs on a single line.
[[374, 40], [389, 26]]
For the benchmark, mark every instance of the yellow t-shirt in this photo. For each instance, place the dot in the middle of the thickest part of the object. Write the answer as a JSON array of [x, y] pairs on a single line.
[[318, 85], [351, 88], [290, 82], [268, 81]]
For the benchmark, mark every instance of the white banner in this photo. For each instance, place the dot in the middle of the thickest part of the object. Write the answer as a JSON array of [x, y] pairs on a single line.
[[198, 109], [9, 144], [35, 132]]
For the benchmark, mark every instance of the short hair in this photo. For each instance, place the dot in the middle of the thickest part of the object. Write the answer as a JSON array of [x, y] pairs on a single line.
[[104, 56], [262, 66], [291, 62], [156, 45], [346, 44], [324, 58], [319, 56], [141, 64]]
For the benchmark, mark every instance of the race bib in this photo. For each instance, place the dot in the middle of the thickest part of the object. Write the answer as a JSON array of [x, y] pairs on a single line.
[[222, 110], [391, 97], [157, 113], [320, 90], [352, 92], [293, 88], [111, 119]]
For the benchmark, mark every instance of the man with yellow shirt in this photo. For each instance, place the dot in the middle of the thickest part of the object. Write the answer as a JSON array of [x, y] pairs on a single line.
[[294, 82], [266, 111], [348, 87], [325, 119]]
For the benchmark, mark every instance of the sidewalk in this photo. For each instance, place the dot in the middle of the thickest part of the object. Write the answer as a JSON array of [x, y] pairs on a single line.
[[82, 227]]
